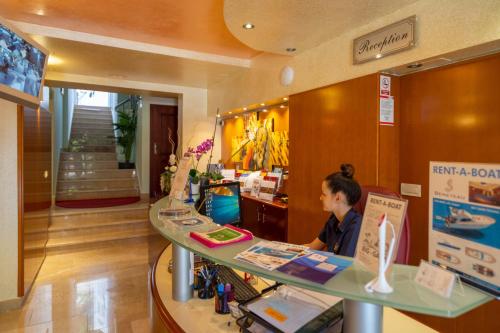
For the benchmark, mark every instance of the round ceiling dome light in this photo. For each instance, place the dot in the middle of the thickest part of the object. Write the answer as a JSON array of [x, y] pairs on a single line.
[[286, 76], [248, 26]]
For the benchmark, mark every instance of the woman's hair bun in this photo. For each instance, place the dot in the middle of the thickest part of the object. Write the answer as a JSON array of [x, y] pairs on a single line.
[[347, 170]]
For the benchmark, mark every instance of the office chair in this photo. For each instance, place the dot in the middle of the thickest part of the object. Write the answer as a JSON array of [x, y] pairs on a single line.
[[403, 254]]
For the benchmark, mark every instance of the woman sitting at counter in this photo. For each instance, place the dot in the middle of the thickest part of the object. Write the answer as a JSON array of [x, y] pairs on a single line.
[[340, 192]]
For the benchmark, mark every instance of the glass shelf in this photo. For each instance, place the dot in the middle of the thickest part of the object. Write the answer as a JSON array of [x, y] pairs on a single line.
[[349, 284]]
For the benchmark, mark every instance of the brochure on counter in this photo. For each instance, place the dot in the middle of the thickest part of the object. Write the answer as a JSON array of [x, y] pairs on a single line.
[[271, 255], [315, 266]]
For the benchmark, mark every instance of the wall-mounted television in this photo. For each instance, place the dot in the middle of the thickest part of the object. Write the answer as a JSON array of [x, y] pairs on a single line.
[[23, 63]]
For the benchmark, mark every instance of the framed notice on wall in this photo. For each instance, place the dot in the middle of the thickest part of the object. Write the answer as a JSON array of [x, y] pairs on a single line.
[[464, 221], [367, 249]]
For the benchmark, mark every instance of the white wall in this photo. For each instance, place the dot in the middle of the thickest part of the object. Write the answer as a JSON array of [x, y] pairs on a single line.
[[56, 107], [195, 123], [8, 200], [442, 26]]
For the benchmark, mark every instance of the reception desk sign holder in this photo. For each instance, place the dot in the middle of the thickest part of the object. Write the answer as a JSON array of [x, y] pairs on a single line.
[[362, 310]]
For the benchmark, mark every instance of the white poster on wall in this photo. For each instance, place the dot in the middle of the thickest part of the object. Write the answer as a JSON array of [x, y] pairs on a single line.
[[464, 221]]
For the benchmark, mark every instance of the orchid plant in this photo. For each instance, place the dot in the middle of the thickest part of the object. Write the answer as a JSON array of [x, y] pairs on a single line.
[[197, 153]]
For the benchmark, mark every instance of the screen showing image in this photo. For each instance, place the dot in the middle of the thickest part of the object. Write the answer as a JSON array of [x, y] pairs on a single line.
[[21, 64], [222, 203]]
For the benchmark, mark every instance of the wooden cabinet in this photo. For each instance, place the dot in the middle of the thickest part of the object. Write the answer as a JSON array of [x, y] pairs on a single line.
[[265, 219]]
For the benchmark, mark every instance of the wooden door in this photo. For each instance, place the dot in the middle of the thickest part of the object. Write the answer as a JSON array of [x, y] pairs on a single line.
[[163, 120]]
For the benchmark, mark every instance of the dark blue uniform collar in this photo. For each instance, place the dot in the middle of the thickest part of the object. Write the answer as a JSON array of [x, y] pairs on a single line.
[[348, 218]]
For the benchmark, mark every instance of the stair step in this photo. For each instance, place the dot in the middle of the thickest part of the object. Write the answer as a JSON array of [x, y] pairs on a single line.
[[87, 165], [91, 120], [96, 174], [91, 107], [91, 131], [110, 193], [96, 184], [87, 156], [100, 242], [82, 126], [97, 229], [92, 117], [92, 148], [64, 218]]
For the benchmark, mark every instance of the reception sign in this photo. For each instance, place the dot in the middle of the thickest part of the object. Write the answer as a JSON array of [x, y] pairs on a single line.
[[464, 218], [393, 38]]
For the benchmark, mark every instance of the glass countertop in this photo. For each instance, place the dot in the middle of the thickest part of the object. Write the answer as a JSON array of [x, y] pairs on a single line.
[[348, 284]]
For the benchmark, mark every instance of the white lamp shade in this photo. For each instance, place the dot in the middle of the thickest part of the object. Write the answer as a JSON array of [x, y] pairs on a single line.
[[286, 76]]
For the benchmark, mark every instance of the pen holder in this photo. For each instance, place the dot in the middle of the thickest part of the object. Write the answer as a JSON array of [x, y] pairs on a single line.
[[221, 306], [204, 291]]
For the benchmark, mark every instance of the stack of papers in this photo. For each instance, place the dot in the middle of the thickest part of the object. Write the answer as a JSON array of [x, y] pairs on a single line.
[[271, 255]]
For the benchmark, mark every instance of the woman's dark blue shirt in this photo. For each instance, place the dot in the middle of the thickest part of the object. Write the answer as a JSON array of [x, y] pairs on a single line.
[[342, 238]]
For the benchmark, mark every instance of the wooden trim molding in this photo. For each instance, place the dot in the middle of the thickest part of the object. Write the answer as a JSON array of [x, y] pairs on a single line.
[[20, 201], [165, 316]]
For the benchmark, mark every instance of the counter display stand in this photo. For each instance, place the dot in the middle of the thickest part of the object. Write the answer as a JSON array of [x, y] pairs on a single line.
[[349, 284]]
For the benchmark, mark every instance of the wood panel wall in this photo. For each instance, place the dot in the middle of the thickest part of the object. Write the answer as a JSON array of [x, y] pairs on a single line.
[[236, 127], [449, 114], [330, 126], [34, 127]]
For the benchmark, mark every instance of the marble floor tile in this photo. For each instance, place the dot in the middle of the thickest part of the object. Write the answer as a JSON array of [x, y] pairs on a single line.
[[99, 290]]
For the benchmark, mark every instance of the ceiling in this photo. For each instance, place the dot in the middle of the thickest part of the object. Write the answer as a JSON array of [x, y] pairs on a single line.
[[188, 24], [300, 24], [155, 41], [97, 60]]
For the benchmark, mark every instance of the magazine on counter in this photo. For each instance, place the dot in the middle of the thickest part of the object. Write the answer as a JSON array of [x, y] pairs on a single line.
[[270, 255], [315, 266], [224, 235]]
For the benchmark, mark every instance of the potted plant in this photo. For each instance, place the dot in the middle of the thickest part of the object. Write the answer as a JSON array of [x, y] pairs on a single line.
[[126, 126]]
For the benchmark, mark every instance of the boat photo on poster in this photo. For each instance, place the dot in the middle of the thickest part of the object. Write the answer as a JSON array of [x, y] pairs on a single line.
[[464, 217]]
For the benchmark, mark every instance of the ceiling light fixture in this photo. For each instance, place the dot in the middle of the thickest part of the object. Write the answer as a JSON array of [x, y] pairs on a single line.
[[248, 26], [230, 112], [285, 98], [236, 117], [244, 109], [264, 110], [218, 115], [282, 106], [378, 56], [416, 65], [291, 49], [262, 104]]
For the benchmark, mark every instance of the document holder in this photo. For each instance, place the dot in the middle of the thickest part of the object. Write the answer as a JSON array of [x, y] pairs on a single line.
[[330, 320]]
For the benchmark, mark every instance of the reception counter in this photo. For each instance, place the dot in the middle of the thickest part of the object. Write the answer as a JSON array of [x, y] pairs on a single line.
[[363, 312]]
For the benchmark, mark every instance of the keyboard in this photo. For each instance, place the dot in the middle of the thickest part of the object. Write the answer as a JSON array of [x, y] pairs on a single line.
[[242, 290]]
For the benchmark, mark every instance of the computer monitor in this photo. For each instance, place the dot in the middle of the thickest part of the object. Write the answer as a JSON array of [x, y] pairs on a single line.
[[222, 202]]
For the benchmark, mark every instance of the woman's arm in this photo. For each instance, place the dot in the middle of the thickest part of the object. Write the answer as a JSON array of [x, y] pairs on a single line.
[[316, 244]]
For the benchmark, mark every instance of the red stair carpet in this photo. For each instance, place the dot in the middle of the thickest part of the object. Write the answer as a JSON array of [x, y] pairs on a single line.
[[97, 203]]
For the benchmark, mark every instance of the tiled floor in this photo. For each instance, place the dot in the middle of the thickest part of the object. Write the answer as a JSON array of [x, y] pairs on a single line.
[[99, 290]]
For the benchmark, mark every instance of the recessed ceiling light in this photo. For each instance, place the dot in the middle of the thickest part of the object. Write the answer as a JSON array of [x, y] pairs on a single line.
[[236, 117], [285, 98], [218, 116], [244, 109], [262, 104], [378, 56], [230, 112], [264, 110], [416, 65], [40, 12], [248, 26], [291, 49], [282, 106]]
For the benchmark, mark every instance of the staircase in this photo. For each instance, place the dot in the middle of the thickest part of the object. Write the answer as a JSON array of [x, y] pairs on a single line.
[[77, 230], [88, 171]]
